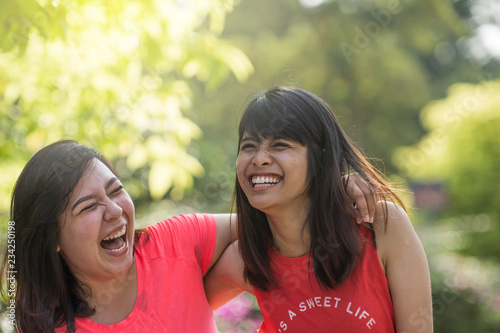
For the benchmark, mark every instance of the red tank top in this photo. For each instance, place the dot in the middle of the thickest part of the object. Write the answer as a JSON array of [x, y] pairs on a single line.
[[361, 304]]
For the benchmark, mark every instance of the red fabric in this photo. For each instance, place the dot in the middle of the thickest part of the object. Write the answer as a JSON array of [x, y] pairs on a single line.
[[170, 268], [361, 304]]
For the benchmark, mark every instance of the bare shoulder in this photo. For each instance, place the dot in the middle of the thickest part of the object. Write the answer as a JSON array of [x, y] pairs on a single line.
[[393, 230], [391, 219]]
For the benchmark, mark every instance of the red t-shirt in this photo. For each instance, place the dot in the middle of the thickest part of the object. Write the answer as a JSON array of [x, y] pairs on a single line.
[[170, 268], [361, 304]]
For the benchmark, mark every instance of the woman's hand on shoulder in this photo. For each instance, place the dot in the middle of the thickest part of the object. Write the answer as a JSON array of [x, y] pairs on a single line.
[[363, 196], [225, 280], [406, 268]]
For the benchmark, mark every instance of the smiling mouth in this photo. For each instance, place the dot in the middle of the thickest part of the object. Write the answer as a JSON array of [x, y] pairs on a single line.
[[115, 242], [264, 181]]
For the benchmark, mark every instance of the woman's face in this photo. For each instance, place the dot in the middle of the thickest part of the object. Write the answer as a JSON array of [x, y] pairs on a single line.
[[97, 227], [273, 173]]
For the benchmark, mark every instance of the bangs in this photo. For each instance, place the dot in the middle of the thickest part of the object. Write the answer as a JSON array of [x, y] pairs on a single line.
[[270, 119]]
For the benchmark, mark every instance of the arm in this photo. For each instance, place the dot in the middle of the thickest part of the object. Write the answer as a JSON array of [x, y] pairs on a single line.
[[225, 280], [406, 268], [226, 234]]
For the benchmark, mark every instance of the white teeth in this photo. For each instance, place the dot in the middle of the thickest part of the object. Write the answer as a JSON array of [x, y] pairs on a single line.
[[264, 180], [118, 234], [118, 249]]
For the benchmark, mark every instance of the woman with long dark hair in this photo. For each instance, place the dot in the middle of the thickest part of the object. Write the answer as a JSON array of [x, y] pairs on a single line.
[[78, 264], [311, 267]]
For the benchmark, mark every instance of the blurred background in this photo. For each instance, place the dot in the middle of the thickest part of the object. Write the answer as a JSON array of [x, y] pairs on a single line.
[[158, 87]]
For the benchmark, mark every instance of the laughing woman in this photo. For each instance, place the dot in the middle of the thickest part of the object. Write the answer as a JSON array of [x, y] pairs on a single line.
[[80, 265], [310, 266]]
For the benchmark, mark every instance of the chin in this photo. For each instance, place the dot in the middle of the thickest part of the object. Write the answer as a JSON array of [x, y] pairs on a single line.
[[263, 207]]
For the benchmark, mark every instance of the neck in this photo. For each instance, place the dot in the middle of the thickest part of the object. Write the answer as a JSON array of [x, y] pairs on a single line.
[[290, 237], [113, 299]]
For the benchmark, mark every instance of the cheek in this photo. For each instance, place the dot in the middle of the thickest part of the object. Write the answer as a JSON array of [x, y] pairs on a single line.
[[301, 168], [77, 236], [77, 232], [242, 185], [75, 246], [127, 205], [240, 174], [240, 166]]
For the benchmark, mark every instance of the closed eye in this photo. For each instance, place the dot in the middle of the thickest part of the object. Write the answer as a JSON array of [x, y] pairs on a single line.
[[247, 146], [88, 208], [117, 189], [281, 145]]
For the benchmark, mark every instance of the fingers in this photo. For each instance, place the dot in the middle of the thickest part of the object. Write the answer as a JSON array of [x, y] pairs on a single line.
[[359, 202], [363, 196]]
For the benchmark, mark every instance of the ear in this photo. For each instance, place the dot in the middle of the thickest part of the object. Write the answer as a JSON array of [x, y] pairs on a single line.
[[58, 248]]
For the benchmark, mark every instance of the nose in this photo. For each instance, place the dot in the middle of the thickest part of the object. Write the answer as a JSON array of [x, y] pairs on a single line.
[[261, 158], [113, 211]]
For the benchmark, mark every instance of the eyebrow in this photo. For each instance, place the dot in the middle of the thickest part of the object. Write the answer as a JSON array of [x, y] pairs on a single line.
[[87, 197], [248, 138], [251, 138]]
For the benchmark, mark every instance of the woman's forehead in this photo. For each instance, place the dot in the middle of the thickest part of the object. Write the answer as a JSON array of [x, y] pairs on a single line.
[[262, 136], [96, 171]]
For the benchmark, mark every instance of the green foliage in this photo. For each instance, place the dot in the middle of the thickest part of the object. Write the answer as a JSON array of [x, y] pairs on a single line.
[[464, 287], [483, 244], [461, 151], [461, 148], [460, 310], [117, 75], [20, 19]]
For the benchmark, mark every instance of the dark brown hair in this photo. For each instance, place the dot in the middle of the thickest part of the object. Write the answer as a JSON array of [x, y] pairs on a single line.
[[47, 294], [297, 115]]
